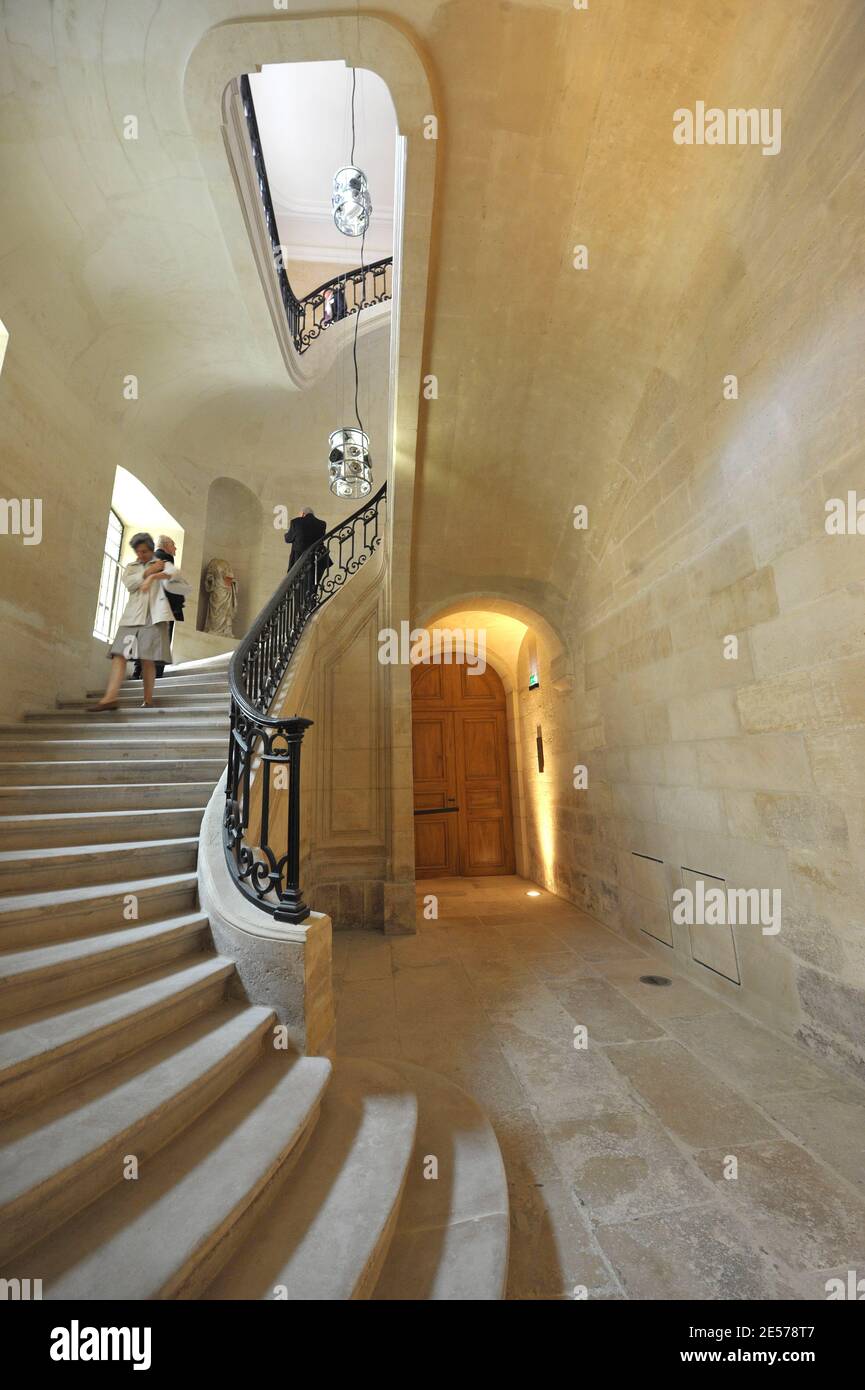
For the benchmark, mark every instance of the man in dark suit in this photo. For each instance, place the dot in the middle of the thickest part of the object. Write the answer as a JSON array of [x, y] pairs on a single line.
[[304, 532]]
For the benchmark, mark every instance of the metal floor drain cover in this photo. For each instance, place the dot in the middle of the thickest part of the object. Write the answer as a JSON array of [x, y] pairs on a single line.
[[654, 980]]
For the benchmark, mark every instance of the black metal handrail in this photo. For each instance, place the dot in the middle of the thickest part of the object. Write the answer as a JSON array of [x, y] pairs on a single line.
[[346, 294], [272, 743]]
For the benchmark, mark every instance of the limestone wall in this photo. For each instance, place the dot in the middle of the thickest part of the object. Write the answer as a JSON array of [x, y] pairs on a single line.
[[743, 761]]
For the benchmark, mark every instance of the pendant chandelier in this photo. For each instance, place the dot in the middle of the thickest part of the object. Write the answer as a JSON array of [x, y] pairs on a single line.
[[352, 205], [351, 201], [349, 464]]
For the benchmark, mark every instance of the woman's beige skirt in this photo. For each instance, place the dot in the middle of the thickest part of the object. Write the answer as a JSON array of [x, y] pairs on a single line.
[[149, 642]]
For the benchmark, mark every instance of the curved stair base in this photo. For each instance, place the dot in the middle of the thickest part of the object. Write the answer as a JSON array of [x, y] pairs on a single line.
[[155, 1142], [452, 1235]]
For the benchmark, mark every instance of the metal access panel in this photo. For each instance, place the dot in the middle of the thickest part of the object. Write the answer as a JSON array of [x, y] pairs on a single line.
[[712, 946], [649, 880]]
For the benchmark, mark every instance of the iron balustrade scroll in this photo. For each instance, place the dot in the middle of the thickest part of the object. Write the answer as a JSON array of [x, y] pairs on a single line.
[[270, 746], [338, 298]]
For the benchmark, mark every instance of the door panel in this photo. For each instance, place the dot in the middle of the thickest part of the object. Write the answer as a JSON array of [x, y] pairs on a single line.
[[435, 846], [435, 821], [486, 840], [481, 746], [428, 683], [482, 687], [460, 755], [431, 739]]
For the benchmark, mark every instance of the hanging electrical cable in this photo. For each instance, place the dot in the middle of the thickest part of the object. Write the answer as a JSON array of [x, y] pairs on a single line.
[[349, 462]]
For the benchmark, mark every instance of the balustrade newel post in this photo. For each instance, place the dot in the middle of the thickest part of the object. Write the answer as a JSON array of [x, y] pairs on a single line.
[[292, 908]]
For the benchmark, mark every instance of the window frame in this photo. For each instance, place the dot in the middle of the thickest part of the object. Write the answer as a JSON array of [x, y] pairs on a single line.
[[108, 601]]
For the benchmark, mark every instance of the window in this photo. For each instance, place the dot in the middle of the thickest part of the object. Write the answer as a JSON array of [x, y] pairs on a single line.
[[111, 592]]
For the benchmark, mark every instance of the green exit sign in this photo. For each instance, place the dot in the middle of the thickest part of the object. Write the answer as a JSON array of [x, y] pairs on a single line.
[[534, 680]]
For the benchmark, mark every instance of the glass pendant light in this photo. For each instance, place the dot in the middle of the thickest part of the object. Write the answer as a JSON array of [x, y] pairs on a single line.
[[352, 205], [349, 463], [351, 201]]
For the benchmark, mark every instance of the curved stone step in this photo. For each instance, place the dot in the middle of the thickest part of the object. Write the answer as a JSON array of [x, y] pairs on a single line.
[[49, 1049], [210, 700], [175, 677], [79, 865], [167, 1234], [103, 728], [57, 1159], [160, 716], [204, 684], [67, 829], [124, 745], [327, 1233], [31, 919], [45, 975], [451, 1239], [86, 772], [144, 795]]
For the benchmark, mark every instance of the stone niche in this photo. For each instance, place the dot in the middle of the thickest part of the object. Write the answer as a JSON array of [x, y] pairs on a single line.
[[233, 531]]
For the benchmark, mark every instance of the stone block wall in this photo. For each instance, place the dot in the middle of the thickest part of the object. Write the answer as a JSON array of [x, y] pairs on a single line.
[[743, 760]]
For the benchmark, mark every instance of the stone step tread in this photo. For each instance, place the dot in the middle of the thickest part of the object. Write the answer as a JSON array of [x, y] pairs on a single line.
[[57, 731], [185, 687], [452, 1235], [325, 1235], [161, 1236], [74, 853], [180, 678], [128, 1103], [130, 704], [86, 764], [98, 819], [83, 768], [60, 956], [159, 714], [90, 892], [135, 792], [29, 1039], [149, 739]]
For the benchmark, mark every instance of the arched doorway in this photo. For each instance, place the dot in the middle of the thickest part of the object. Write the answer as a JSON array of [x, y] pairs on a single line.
[[462, 800]]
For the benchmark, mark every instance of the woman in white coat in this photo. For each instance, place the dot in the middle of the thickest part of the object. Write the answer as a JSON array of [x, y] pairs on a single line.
[[144, 623]]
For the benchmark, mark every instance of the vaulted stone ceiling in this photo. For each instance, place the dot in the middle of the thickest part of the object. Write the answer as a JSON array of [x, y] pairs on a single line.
[[555, 129]]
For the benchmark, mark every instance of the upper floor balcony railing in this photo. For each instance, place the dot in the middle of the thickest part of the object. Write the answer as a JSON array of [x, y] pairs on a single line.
[[339, 298]]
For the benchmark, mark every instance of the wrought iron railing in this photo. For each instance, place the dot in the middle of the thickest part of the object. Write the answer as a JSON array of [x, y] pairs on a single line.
[[339, 298], [264, 750]]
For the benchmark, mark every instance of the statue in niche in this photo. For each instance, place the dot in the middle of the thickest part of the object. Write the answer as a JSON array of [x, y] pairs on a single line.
[[220, 586]]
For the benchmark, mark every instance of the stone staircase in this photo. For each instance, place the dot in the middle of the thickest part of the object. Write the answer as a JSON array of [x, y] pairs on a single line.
[[153, 1141]]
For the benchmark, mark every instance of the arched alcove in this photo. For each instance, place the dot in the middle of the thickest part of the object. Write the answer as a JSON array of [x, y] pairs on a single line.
[[529, 656], [233, 531]]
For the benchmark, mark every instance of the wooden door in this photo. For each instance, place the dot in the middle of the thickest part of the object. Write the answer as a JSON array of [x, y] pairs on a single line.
[[461, 782]]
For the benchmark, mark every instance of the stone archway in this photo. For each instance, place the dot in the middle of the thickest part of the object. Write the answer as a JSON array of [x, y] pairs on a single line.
[[517, 642]]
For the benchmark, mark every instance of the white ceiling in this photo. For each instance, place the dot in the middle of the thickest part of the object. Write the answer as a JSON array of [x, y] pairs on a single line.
[[304, 119]]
